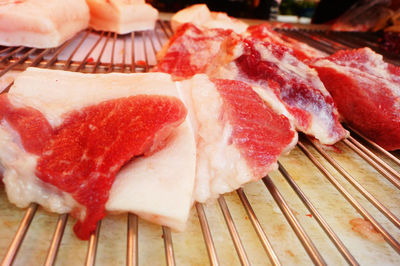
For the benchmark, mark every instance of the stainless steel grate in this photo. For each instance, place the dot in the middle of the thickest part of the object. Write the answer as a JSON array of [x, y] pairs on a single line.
[[312, 185]]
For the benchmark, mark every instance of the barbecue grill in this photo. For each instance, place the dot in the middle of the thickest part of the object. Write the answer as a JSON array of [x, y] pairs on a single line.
[[325, 205]]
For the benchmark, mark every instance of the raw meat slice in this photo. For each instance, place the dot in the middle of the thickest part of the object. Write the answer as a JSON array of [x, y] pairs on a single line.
[[88, 149], [201, 16], [191, 51], [302, 51], [122, 16], [55, 93], [239, 138], [41, 24], [295, 87], [366, 91]]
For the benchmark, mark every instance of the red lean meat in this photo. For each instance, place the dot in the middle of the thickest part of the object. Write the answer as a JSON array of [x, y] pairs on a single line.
[[191, 51], [83, 155], [302, 51], [287, 84], [239, 138], [366, 91], [64, 136]]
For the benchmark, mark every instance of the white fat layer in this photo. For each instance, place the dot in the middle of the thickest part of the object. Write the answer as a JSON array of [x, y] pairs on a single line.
[[159, 187], [22, 185], [121, 16], [201, 16], [220, 166], [55, 92], [42, 24], [168, 172]]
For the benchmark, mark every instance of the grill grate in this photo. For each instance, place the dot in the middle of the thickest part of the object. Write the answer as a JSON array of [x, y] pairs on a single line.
[[102, 52]]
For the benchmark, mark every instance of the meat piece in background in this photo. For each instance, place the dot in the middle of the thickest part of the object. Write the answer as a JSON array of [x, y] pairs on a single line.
[[366, 91], [202, 17], [61, 97], [41, 24], [286, 84], [192, 50], [264, 32], [239, 138], [122, 16]]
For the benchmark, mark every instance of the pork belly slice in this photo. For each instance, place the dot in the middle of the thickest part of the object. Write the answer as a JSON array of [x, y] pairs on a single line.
[[192, 50], [366, 91], [239, 138], [286, 84], [122, 16], [62, 97], [41, 24], [202, 17], [302, 51]]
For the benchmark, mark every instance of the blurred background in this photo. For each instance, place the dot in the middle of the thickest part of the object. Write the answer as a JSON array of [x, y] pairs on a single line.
[[300, 11]]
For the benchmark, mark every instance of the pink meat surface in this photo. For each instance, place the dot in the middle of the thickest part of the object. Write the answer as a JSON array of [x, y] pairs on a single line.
[[191, 51], [295, 85], [260, 134], [302, 51], [366, 91], [83, 155]]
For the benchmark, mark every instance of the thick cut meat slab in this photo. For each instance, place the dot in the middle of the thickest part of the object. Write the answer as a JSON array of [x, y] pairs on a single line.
[[366, 91], [302, 51], [88, 149], [191, 51], [287, 84], [121, 16], [202, 17], [169, 174], [239, 138], [41, 24]]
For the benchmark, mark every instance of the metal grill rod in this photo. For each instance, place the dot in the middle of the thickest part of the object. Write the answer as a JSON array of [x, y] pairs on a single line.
[[257, 227], [68, 62], [21, 59], [325, 226], [19, 235], [132, 245], [90, 51], [389, 239], [101, 53], [212, 254], [308, 245], [357, 185], [376, 146], [169, 249], [233, 232], [133, 65], [379, 168], [56, 241], [375, 158], [51, 61], [92, 246], [15, 51]]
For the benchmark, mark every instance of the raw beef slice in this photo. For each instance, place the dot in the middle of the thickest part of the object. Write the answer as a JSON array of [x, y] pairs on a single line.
[[366, 91], [239, 138], [192, 51], [84, 154], [286, 83], [157, 188], [265, 32]]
